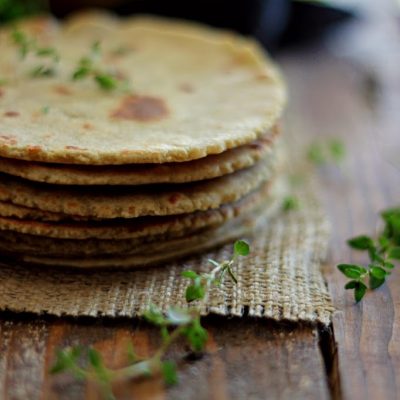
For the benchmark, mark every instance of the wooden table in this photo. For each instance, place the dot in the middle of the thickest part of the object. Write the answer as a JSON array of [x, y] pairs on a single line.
[[357, 357]]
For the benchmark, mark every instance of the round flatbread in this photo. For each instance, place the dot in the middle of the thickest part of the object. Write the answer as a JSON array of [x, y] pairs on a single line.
[[64, 248], [178, 248], [131, 202], [54, 247], [179, 108], [212, 166], [136, 228]]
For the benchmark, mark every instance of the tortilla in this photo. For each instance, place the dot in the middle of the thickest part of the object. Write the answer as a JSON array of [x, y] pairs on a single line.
[[72, 248], [137, 228], [179, 108], [179, 248], [136, 201], [212, 166]]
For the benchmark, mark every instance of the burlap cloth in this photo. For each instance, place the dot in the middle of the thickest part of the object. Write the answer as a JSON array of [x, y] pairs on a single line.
[[281, 279]]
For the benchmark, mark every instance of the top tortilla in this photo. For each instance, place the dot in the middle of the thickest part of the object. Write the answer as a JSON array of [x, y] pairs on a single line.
[[196, 91], [209, 167]]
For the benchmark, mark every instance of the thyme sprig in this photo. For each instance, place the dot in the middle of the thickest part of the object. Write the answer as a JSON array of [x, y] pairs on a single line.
[[49, 55], [175, 324], [88, 68], [383, 252]]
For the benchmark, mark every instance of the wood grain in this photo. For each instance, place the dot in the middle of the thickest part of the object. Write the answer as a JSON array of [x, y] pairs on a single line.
[[245, 358], [329, 97]]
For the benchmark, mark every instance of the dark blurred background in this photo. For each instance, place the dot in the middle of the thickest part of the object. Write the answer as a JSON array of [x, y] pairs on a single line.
[[276, 23]]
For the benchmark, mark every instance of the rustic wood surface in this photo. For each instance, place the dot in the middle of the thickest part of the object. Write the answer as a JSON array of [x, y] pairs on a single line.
[[358, 357]]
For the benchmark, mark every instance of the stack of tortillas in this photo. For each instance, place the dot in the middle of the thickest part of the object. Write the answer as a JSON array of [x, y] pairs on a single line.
[[186, 160]]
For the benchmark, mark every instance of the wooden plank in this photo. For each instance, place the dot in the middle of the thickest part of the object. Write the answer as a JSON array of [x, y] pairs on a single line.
[[330, 100], [245, 358]]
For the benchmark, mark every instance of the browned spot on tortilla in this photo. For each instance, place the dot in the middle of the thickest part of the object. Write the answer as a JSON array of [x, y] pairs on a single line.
[[11, 114], [8, 139], [87, 125], [263, 76], [186, 87], [257, 145], [34, 149], [174, 198], [1, 92], [74, 148], [141, 108], [63, 90]]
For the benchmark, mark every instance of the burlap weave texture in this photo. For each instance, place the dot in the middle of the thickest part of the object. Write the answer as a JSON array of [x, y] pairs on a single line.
[[281, 279]]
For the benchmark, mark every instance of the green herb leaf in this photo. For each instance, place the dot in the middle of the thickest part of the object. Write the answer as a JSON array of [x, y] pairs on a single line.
[[196, 335], [352, 271], [361, 242], [169, 373], [394, 253], [194, 292], [290, 203], [388, 265], [241, 248], [106, 81], [95, 358], [351, 285], [189, 274], [337, 150], [67, 361], [80, 73], [42, 71], [359, 291], [378, 272], [315, 154], [154, 316]]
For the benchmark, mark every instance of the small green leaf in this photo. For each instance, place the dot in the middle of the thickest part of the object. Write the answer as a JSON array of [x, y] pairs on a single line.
[[106, 81], [394, 253], [351, 285], [388, 265], [315, 154], [194, 292], [337, 150], [359, 291], [95, 359], [352, 271], [361, 242], [189, 274], [154, 316], [169, 373], [290, 203], [43, 71], [384, 242], [378, 272], [48, 52], [196, 335], [81, 73], [241, 248], [374, 282]]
